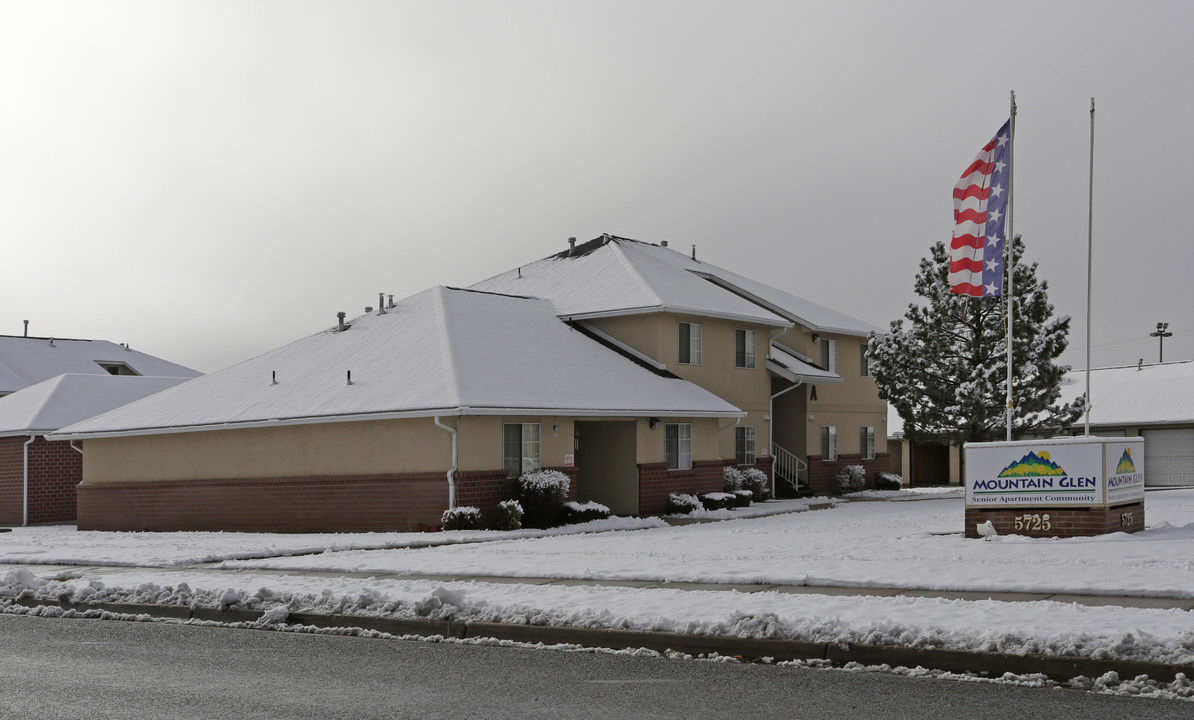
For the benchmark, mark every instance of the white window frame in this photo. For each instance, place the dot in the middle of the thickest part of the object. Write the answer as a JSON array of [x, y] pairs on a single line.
[[866, 441], [865, 360], [829, 354], [744, 348], [744, 445], [829, 442], [693, 348], [529, 446], [677, 445]]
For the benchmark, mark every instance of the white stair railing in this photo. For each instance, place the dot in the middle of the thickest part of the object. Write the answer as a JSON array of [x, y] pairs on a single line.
[[786, 466]]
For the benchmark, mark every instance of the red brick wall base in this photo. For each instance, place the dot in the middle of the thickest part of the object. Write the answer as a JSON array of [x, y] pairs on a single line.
[[822, 474], [55, 468], [656, 482], [1062, 521]]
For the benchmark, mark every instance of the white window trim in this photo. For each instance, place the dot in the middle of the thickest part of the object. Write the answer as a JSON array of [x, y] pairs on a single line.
[[748, 346], [829, 442], [866, 438], [530, 450], [694, 343], [683, 439], [748, 455], [829, 354]]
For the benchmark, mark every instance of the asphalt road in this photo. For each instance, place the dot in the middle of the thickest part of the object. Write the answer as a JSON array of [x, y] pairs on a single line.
[[57, 668]]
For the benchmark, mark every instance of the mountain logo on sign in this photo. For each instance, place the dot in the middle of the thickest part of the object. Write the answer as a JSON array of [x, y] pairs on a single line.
[[1033, 465], [1125, 465]]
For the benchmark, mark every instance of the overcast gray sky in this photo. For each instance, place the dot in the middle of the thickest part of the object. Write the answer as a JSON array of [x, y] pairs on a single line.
[[210, 180]]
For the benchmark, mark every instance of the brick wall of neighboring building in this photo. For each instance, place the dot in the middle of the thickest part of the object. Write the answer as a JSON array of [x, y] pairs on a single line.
[[822, 474], [656, 482], [1062, 521], [55, 469]]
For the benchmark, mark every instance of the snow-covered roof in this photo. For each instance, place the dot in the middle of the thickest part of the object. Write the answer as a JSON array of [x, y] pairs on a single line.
[[71, 397], [25, 361], [782, 362], [615, 276], [444, 351], [895, 423], [1135, 395]]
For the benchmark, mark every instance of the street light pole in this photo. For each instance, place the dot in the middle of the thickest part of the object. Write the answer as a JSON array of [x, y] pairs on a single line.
[[1161, 333]]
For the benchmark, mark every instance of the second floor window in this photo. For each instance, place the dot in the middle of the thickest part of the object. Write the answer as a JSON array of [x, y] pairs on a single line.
[[690, 343], [744, 349], [829, 354], [520, 448], [678, 446], [744, 445], [866, 441], [829, 442], [866, 360]]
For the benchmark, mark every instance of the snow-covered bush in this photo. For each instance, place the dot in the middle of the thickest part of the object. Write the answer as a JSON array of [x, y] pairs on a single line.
[[575, 512], [542, 494], [682, 504], [718, 500], [508, 516], [756, 481], [465, 517], [851, 479], [888, 481], [742, 498], [731, 479]]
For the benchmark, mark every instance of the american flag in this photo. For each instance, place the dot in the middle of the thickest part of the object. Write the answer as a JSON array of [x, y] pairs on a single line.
[[980, 200]]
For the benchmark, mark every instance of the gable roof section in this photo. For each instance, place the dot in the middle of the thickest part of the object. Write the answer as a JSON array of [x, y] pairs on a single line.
[[1150, 395], [791, 368], [444, 351], [26, 361], [612, 275], [69, 398], [615, 276]]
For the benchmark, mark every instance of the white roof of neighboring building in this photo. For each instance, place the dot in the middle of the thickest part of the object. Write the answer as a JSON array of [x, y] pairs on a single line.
[[1150, 395], [25, 361], [71, 397], [614, 276], [444, 351], [895, 423], [782, 362]]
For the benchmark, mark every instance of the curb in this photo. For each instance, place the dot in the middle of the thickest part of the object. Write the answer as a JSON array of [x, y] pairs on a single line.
[[987, 664]]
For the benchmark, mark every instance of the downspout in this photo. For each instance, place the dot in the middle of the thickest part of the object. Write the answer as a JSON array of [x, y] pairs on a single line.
[[25, 502], [455, 455]]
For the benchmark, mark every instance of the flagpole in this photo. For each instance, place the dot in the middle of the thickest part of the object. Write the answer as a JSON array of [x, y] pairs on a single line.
[[1089, 260], [1010, 263]]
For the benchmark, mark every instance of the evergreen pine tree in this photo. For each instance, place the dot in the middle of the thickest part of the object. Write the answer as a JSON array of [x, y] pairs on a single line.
[[946, 373]]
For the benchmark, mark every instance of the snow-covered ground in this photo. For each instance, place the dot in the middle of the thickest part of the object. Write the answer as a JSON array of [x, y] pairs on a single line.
[[857, 544]]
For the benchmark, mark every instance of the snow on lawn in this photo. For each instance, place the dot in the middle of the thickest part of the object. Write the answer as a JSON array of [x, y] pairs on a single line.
[[916, 545]]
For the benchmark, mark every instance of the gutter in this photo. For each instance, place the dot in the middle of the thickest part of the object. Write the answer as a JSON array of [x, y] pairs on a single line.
[[455, 457], [25, 501]]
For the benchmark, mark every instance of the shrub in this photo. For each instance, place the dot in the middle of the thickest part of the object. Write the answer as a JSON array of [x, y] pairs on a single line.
[[851, 479], [731, 479], [742, 498], [465, 517], [508, 516], [888, 481], [756, 481], [718, 500], [575, 512], [541, 494], [682, 504]]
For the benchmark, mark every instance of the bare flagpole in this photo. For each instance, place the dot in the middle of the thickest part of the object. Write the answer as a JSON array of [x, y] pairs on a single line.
[[1010, 262], [1089, 261]]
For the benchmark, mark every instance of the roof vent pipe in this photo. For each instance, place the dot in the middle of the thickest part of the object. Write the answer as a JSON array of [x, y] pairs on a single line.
[[663, 243], [381, 303], [340, 326], [349, 377], [390, 304], [52, 343], [571, 246], [1139, 364], [694, 252], [26, 328]]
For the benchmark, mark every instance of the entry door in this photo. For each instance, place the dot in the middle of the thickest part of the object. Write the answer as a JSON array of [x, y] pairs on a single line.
[[605, 463]]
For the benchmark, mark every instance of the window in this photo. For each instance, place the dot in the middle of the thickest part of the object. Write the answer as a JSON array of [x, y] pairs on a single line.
[[829, 442], [866, 361], [690, 343], [678, 445], [744, 349], [866, 442], [521, 448], [829, 355], [117, 368], [744, 445]]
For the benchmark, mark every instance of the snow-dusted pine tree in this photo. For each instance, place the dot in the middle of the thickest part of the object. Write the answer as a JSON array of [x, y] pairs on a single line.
[[946, 373]]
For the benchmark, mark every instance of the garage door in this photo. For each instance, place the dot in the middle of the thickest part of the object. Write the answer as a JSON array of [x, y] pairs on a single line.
[[1169, 457]]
